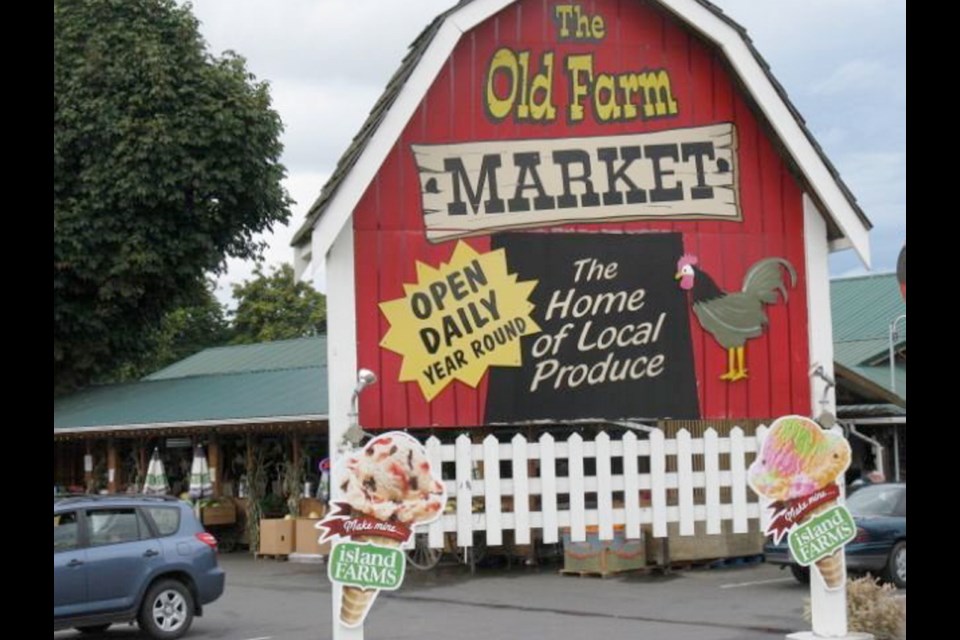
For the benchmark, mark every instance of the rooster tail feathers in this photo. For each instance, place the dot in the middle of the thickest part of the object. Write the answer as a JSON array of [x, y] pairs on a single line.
[[764, 280]]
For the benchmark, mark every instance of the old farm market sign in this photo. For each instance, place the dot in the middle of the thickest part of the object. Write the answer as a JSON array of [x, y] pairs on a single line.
[[473, 188], [459, 319], [485, 186]]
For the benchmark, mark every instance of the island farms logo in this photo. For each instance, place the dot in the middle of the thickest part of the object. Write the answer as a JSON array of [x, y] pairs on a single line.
[[366, 566], [821, 536]]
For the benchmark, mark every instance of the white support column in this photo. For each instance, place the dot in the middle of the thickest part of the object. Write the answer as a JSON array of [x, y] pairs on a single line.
[[819, 318], [829, 608], [341, 372]]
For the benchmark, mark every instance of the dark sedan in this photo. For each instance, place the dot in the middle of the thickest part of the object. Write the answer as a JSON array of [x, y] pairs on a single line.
[[880, 548]]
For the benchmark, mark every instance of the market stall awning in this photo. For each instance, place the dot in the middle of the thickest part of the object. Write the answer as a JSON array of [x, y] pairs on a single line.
[[281, 382]]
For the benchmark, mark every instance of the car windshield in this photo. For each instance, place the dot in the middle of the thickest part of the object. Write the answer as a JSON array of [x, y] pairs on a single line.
[[875, 500]]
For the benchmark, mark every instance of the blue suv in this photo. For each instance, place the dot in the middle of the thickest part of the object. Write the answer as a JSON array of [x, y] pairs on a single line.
[[122, 558]]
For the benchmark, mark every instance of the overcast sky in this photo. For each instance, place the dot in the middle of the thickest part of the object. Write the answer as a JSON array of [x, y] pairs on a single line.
[[842, 62]]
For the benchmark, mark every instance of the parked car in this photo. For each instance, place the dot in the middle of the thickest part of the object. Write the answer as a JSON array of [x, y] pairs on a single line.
[[120, 558], [880, 548]]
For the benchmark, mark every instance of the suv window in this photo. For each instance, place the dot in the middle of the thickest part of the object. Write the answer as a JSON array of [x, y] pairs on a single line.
[[167, 519], [66, 533], [111, 526]]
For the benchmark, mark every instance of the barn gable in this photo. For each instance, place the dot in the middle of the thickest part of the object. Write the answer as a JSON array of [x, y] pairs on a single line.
[[847, 225], [564, 210]]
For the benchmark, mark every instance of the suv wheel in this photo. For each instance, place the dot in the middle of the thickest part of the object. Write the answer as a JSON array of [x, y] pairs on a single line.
[[167, 610]]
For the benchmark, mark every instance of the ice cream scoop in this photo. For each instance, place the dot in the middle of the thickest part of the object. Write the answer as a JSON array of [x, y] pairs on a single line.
[[797, 458], [390, 479]]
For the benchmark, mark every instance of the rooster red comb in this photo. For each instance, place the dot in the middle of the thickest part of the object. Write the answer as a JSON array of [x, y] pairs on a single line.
[[687, 259]]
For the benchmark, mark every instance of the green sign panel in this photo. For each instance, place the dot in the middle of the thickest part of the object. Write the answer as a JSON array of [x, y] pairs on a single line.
[[367, 566], [821, 535]]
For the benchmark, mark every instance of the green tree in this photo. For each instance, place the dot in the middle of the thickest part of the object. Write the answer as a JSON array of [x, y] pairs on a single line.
[[276, 306], [165, 161], [183, 332]]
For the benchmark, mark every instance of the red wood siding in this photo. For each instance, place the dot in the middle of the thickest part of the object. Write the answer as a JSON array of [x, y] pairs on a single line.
[[389, 231]]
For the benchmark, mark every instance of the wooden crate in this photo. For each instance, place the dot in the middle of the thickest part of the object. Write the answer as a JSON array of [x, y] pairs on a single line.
[[603, 557], [277, 536], [223, 512], [701, 546]]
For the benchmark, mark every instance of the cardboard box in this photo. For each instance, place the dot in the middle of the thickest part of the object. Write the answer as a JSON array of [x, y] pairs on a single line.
[[604, 557], [277, 536], [307, 536], [223, 512], [312, 504]]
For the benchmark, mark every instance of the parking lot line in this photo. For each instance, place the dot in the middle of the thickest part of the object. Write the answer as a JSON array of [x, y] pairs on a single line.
[[750, 584]]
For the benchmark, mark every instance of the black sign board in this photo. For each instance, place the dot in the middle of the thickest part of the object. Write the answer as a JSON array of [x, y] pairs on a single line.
[[615, 339]]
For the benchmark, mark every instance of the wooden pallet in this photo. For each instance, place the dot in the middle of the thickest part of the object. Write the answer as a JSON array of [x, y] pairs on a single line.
[[279, 557], [607, 574]]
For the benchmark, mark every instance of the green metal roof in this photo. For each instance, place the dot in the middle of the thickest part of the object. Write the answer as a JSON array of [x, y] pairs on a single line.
[[880, 375], [283, 380], [863, 308], [263, 356]]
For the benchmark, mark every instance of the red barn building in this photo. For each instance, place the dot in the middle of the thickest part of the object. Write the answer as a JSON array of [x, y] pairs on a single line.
[[566, 211]]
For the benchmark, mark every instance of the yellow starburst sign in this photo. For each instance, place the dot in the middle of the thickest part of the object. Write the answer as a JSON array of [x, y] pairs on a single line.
[[459, 319]]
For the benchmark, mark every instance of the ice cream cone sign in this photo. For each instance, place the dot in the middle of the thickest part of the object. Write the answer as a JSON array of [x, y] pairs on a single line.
[[796, 473], [387, 488]]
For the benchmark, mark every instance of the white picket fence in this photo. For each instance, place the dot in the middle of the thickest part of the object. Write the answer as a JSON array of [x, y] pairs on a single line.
[[649, 452]]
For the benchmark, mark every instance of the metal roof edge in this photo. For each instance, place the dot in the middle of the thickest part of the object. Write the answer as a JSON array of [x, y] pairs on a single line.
[[149, 426], [868, 385]]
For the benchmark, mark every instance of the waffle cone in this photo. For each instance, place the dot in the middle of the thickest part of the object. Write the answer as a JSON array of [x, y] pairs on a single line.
[[831, 569], [354, 601]]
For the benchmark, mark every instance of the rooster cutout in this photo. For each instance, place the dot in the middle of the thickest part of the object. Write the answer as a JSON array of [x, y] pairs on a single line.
[[734, 318]]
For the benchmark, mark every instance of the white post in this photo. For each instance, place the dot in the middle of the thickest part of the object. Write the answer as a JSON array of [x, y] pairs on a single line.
[[491, 490], [342, 376], [685, 482], [631, 486], [819, 319], [893, 355], [521, 491], [658, 484], [578, 505], [548, 490], [829, 607], [711, 469]]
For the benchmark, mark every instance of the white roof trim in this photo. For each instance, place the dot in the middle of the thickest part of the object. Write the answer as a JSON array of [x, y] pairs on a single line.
[[147, 426], [783, 122], [340, 208]]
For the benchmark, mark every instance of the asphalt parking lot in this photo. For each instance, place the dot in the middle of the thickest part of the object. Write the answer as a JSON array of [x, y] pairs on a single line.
[[271, 600]]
